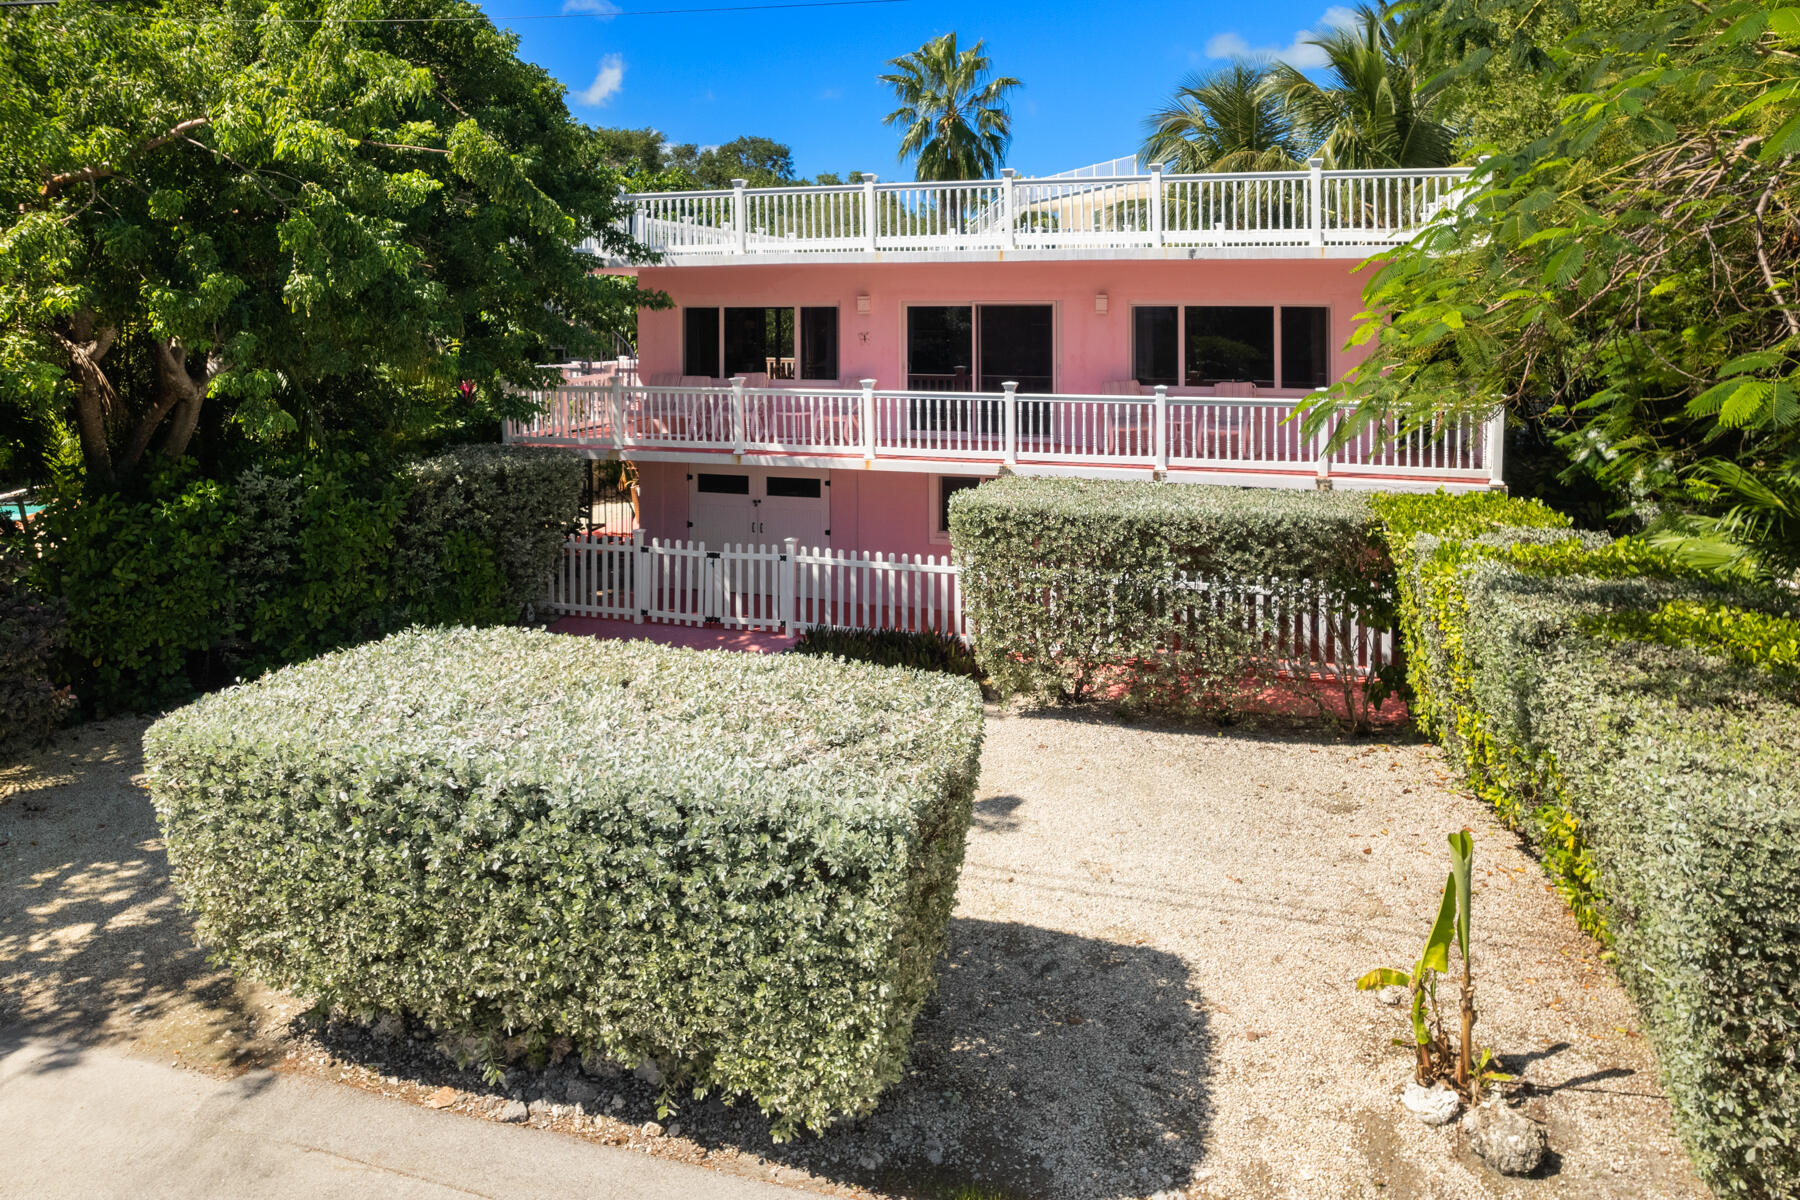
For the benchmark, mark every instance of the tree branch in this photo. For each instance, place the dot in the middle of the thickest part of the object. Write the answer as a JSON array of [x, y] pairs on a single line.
[[1762, 254], [105, 170]]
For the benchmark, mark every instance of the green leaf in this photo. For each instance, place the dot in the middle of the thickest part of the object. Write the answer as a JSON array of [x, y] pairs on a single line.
[[1443, 931], [1382, 977], [1462, 858]]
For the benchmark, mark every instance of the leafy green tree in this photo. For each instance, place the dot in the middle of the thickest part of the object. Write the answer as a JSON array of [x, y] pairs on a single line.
[[1223, 121], [630, 150], [1628, 281], [281, 219], [761, 161], [954, 111], [1492, 63], [1373, 110]]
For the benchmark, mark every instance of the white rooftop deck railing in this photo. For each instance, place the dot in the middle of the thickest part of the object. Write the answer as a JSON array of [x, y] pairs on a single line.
[[1311, 208], [914, 429]]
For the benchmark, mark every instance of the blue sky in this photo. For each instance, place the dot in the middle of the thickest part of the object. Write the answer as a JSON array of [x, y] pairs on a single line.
[[806, 76]]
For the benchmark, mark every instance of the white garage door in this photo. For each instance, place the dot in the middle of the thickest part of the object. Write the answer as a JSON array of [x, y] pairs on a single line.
[[759, 506]]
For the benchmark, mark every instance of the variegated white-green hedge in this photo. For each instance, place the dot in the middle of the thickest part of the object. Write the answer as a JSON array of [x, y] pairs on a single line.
[[739, 865], [1080, 587]]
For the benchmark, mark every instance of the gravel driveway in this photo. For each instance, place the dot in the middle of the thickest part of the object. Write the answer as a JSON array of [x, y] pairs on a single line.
[[1149, 986]]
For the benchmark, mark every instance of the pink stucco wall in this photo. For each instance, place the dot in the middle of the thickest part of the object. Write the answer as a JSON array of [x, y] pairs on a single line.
[[1091, 348], [894, 512], [887, 511]]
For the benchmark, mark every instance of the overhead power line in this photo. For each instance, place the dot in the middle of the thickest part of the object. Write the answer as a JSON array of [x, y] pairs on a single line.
[[498, 20]]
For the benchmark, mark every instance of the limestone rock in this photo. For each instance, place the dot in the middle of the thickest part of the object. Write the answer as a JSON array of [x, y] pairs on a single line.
[[1506, 1140], [1435, 1105]]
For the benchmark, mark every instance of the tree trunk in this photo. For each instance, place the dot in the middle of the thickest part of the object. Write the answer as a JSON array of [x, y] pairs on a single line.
[[178, 391], [95, 398]]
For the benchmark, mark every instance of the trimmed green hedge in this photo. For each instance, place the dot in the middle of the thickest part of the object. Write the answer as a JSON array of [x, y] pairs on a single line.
[[739, 865], [892, 648], [199, 581], [1641, 732], [1071, 584], [31, 632]]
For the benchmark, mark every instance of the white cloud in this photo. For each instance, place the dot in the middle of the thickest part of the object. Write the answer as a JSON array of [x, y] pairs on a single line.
[[607, 82], [1297, 53], [596, 8]]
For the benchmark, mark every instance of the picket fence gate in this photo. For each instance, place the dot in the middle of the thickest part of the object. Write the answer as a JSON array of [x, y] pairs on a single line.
[[1303, 627], [784, 587]]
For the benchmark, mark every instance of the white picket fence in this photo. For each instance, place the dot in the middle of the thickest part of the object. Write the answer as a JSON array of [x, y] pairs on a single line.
[[1303, 627], [781, 587]]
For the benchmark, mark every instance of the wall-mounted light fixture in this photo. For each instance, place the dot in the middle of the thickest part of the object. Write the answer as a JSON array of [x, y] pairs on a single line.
[[1100, 302], [862, 302]]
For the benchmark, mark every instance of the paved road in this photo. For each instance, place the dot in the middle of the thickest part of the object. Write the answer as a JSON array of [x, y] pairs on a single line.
[[94, 1123]]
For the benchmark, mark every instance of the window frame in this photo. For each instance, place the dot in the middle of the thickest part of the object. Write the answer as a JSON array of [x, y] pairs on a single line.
[[975, 366], [937, 503], [1181, 356], [719, 334]]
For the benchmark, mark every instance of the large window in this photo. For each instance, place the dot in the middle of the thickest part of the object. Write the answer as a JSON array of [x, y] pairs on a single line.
[[948, 486], [1305, 348], [759, 340], [700, 342], [940, 348], [818, 343], [965, 347], [782, 343], [1226, 344], [1202, 345], [1156, 344]]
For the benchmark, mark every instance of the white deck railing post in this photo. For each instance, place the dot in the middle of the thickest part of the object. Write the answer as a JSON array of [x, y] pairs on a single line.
[[871, 216], [740, 219], [737, 414], [1159, 437], [617, 402], [1315, 199], [790, 569], [1007, 175], [1495, 435], [1156, 204], [868, 420], [1010, 422]]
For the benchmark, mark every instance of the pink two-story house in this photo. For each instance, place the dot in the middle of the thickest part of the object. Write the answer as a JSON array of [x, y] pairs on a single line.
[[840, 360]]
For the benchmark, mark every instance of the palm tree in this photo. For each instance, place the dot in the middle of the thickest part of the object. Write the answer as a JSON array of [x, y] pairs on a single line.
[[955, 116], [1373, 110], [1224, 121]]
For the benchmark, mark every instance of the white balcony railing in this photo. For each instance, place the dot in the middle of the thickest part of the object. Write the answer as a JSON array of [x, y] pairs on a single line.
[[913, 429], [1311, 208]]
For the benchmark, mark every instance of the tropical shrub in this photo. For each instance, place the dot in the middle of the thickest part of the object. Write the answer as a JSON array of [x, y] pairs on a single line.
[[892, 648], [309, 561], [198, 581], [1077, 587], [481, 527], [32, 628], [740, 866], [148, 586], [1634, 721]]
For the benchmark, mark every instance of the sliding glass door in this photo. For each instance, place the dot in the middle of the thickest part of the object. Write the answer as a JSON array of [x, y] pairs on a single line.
[[979, 347]]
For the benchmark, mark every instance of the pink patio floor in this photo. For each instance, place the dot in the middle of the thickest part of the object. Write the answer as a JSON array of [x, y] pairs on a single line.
[[694, 637]]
